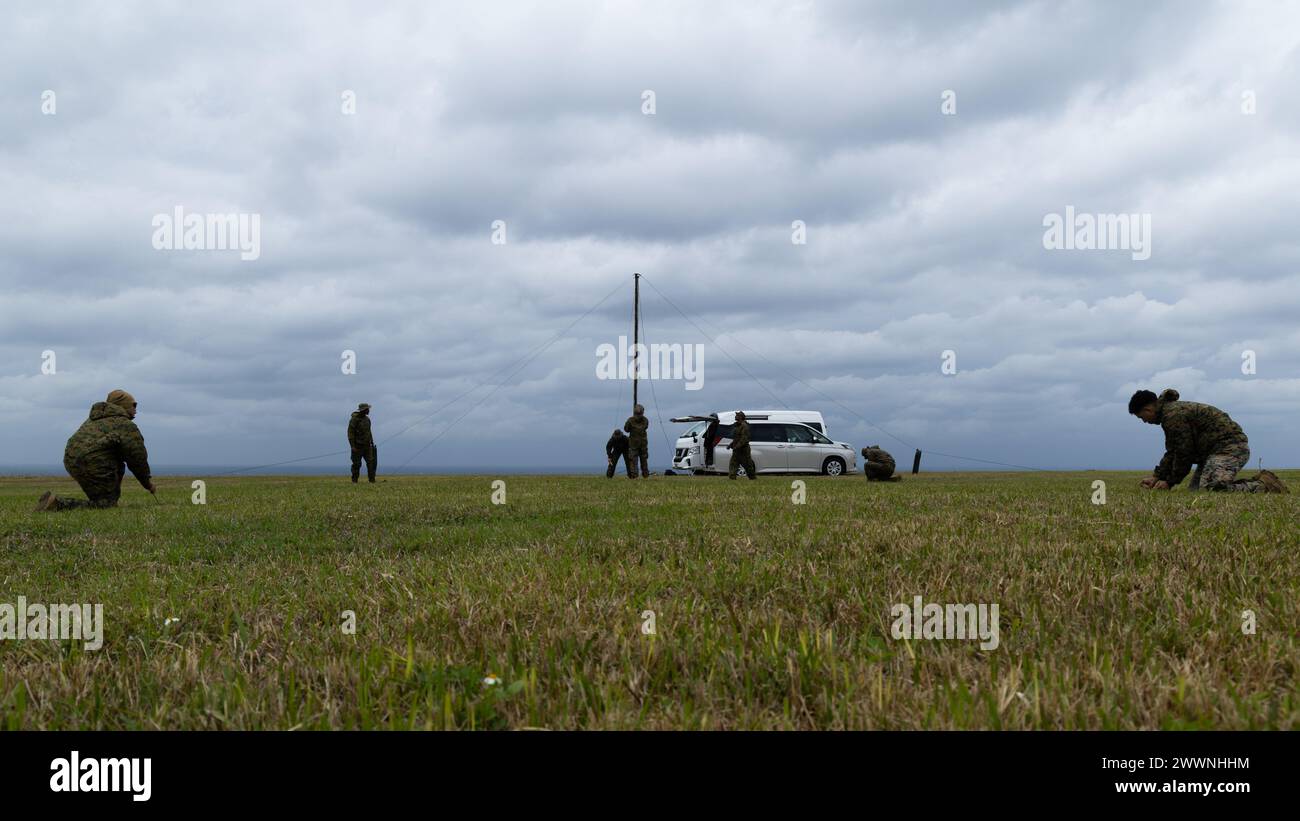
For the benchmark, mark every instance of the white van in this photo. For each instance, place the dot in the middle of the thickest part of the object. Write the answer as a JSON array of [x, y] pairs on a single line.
[[781, 441]]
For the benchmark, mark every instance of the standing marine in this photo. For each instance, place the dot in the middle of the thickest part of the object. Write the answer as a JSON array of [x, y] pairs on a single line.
[[1202, 435], [99, 453], [711, 439], [362, 443], [878, 465], [638, 445], [739, 448]]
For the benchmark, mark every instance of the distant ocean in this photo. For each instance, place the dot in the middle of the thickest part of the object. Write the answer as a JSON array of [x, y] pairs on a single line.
[[597, 469], [297, 470]]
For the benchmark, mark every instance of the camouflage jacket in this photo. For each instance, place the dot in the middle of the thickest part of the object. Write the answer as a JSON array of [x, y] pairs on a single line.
[[1193, 432], [106, 441], [636, 427], [359, 431], [740, 435], [616, 446], [878, 456]]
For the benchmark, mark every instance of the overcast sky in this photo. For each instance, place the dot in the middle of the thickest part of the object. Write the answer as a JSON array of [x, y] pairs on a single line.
[[924, 229]]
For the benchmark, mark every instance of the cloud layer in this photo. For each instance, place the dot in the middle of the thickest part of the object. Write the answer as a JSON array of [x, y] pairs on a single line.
[[924, 229]]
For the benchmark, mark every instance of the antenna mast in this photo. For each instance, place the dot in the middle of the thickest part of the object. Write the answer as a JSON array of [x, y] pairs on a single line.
[[636, 332]]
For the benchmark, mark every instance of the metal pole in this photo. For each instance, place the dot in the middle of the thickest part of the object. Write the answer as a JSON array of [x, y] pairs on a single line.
[[916, 462], [636, 331]]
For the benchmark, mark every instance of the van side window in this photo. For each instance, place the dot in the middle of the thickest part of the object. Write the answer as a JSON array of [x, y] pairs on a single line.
[[817, 426], [724, 431], [798, 434], [760, 432]]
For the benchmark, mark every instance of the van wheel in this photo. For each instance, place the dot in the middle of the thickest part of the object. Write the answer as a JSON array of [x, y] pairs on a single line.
[[833, 466]]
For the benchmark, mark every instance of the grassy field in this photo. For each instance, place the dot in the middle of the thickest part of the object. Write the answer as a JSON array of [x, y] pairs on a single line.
[[768, 614]]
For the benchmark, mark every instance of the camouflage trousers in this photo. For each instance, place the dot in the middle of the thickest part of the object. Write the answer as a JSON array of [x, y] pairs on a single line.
[[638, 451], [1219, 471], [878, 471], [102, 489], [372, 462], [740, 457]]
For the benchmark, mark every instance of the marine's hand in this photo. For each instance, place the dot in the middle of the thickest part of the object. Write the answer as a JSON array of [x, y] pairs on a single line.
[[1149, 481], [151, 488], [1160, 485]]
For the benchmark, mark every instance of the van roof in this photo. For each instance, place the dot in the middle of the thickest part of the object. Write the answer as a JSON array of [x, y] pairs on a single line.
[[786, 414], [727, 417]]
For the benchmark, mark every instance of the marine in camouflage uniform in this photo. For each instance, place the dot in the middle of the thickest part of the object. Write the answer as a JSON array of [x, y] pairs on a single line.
[[879, 465], [615, 449], [638, 445], [100, 452], [710, 439], [362, 443], [1202, 435], [739, 447]]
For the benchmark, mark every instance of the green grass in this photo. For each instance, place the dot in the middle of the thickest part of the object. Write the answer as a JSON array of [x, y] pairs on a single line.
[[768, 614]]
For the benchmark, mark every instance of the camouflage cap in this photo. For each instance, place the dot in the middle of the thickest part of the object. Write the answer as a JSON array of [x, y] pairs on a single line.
[[638, 409], [363, 406], [740, 414], [122, 399]]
